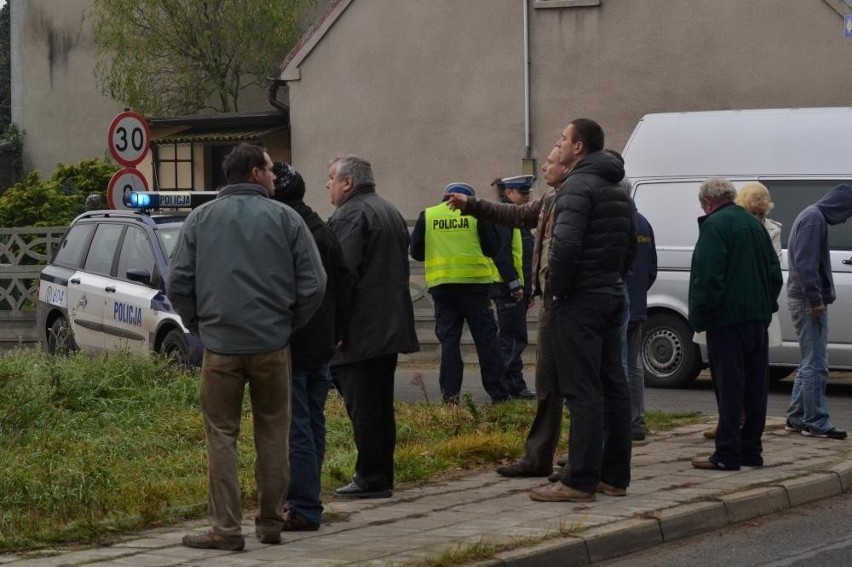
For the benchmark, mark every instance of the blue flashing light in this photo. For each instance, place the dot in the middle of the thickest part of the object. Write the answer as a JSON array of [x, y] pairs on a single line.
[[140, 200]]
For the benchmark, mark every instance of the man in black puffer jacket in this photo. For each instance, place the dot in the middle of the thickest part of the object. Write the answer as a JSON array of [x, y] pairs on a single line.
[[593, 245], [312, 348]]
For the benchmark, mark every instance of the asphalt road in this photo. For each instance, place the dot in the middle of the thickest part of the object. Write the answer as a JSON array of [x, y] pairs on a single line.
[[698, 398], [815, 535]]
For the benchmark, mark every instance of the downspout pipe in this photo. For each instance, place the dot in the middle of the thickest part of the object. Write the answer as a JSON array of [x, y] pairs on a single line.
[[527, 79], [272, 96]]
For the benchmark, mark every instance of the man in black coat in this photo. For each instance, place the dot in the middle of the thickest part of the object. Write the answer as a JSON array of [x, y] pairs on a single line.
[[374, 238], [593, 245], [312, 348]]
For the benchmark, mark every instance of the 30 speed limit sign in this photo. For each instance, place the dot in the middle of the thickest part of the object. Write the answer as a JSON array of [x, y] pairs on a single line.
[[129, 138]]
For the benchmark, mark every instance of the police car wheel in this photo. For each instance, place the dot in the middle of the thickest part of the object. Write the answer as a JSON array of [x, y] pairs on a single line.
[[174, 348], [60, 339]]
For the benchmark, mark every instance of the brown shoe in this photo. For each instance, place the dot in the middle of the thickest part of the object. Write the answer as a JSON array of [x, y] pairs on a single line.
[[711, 433], [706, 463], [522, 469], [295, 523], [559, 492], [212, 540], [611, 490]]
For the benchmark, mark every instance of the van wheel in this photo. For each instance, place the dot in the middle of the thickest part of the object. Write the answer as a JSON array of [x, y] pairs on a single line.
[[174, 348], [60, 339], [670, 357]]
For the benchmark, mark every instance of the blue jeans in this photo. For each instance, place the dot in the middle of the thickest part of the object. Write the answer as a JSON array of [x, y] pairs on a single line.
[[307, 440], [807, 405]]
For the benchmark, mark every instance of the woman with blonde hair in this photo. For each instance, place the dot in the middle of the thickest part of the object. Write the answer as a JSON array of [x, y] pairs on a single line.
[[754, 197]]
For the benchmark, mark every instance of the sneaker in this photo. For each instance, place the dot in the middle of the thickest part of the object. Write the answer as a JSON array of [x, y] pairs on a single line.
[[295, 523], [355, 490], [638, 436], [792, 427], [611, 490], [522, 469], [559, 492], [832, 433], [212, 540], [711, 433], [707, 463]]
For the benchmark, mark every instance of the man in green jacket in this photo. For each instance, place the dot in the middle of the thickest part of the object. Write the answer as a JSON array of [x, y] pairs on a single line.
[[733, 291]]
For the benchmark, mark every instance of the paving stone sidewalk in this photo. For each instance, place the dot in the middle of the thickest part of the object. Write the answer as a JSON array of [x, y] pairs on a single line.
[[667, 500]]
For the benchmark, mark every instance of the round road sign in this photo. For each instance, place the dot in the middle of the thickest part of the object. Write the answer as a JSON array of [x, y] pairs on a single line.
[[122, 183], [128, 138]]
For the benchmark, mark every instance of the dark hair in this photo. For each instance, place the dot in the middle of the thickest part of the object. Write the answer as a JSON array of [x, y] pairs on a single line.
[[590, 133], [242, 159]]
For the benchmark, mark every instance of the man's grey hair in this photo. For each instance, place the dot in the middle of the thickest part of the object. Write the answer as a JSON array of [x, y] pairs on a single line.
[[716, 189], [357, 167]]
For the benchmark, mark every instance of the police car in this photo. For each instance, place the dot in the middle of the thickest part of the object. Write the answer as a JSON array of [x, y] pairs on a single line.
[[104, 290]]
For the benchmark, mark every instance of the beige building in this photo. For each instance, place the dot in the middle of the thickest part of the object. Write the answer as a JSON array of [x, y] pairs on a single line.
[[433, 92]]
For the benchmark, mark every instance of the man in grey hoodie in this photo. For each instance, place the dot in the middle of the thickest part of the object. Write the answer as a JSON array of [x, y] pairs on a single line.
[[810, 288], [244, 275]]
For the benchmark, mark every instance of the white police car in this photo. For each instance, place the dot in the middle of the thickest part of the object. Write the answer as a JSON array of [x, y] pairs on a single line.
[[104, 290]]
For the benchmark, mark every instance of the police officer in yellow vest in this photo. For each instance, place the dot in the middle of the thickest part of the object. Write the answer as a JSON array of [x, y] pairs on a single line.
[[458, 252], [512, 289]]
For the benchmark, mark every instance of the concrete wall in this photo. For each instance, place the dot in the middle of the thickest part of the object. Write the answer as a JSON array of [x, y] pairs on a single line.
[[54, 96], [432, 92]]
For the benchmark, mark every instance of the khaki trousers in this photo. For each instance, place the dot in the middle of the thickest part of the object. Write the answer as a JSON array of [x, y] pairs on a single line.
[[223, 380]]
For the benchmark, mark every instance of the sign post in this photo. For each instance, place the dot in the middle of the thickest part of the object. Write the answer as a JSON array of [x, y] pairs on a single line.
[[128, 140]]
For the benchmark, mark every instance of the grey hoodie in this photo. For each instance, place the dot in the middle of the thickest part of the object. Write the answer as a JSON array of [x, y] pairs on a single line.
[[809, 262], [245, 272]]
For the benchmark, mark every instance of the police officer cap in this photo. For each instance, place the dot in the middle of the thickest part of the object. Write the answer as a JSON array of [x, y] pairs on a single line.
[[462, 188], [519, 182]]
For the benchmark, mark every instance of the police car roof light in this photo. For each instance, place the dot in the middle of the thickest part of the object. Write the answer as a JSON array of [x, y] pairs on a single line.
[[147, 200]]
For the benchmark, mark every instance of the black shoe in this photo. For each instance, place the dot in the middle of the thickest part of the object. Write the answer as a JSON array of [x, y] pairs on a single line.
[[525, 394], [752, 461], [355, 490], [522, 469], [638, 436], [832, 433], [296, 523], [793, 427], [555, 476], [561, 462], [707, 463]]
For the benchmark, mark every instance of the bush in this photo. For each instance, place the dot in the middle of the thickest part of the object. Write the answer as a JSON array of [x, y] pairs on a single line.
[[57, 201]]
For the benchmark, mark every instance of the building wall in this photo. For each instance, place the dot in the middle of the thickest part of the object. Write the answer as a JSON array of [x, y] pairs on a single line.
[[432, 92], [54, 96]]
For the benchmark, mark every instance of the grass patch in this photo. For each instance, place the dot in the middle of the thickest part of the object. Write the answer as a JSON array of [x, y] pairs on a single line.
[[91, 447]]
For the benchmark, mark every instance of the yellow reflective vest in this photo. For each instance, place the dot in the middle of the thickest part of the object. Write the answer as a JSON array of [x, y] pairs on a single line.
[[453, 253], [517, 258]]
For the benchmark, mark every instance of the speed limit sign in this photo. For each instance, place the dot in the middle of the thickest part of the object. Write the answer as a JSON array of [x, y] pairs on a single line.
[[129, 138], [123, 182]]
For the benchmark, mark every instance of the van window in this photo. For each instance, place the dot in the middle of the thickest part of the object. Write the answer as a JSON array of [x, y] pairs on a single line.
[[672, 209], [791, 197]]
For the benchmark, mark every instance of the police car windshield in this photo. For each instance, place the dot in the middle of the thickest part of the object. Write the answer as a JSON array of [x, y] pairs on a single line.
[[168, 239]]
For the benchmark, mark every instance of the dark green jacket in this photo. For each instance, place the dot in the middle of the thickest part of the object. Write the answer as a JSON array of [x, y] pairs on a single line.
[[735, 276]]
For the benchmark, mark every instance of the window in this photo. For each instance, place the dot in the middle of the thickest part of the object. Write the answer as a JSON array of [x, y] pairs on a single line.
[[70, 252], [102, 250], [168, 239], [791, 197], [136, 253], [174, 167]]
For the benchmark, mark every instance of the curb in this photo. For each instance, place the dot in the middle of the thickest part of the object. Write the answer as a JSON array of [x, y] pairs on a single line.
[[678, 522]]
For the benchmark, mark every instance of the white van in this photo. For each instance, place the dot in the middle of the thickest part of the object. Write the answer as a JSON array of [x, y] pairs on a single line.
[[798, 153]]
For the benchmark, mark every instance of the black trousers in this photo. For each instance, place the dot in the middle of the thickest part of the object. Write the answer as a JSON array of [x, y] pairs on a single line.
[[739, 359], [587, 342], [367, 389]]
